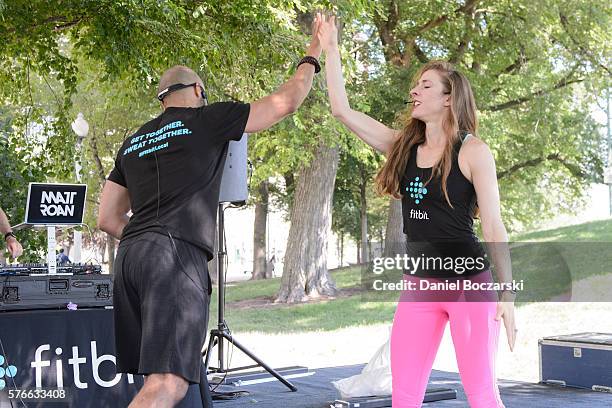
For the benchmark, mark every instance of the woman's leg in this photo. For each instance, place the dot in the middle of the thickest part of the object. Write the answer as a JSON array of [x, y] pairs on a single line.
[[417, 331], [475, 333]]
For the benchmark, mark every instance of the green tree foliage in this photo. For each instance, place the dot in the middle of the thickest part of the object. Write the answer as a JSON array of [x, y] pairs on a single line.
[[536, 69], [103, 58], [16, 173]]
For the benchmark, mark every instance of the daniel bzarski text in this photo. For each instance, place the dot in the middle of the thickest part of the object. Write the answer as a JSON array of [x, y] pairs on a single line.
[[450, 285]]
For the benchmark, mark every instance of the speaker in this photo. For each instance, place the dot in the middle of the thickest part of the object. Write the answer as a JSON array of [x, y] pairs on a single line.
[[234, 184]]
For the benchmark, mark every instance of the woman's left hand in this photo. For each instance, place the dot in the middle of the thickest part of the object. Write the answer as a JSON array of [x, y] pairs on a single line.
[[505, 310]]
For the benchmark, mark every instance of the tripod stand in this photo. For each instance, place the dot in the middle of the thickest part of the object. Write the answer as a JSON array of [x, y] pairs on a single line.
[[222, 333]]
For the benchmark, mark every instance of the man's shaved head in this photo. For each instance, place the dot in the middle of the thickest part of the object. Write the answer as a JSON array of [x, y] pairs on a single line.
[[178, 74], [186, 97]]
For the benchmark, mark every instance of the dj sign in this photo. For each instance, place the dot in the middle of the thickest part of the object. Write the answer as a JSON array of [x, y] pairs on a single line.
[[56, 204]]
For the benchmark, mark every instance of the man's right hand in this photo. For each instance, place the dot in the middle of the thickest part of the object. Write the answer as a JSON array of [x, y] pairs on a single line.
[[314, 49], [271, 109]]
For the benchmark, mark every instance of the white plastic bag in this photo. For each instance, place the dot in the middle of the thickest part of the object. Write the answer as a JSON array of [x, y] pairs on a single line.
[[375, 378]]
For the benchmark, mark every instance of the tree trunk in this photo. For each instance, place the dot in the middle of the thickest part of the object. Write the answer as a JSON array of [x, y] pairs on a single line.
[[394, 236], [341, 243], [110, 241], [260, 263], [110, 247], [305, 270], [364, 221]]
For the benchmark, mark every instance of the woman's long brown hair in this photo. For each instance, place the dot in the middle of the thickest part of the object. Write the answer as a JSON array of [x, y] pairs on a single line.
[[461, 117]]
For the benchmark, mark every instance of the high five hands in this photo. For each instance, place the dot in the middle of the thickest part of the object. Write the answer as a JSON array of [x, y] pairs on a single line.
[[328, 32]]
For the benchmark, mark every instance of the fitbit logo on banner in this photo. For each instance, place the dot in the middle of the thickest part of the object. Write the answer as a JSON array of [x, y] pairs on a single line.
[[416, 190], [6, 372], [57, 204], [39, 364]]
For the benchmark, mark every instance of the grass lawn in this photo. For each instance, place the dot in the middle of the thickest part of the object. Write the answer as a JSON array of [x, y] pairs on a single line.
[[585, 248], [575, 252], [595, 231], [249, 307]]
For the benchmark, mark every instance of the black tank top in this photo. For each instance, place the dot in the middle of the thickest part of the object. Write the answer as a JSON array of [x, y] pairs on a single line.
[[443, 237]]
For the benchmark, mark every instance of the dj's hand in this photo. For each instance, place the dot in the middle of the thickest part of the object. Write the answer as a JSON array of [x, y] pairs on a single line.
[[14, 247]]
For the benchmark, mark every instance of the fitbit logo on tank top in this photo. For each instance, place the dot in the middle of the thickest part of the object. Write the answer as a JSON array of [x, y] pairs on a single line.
[[418, 215], [416, 190]]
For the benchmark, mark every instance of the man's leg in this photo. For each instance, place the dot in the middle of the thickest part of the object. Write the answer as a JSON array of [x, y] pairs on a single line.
[[172, 293], [160, 391]]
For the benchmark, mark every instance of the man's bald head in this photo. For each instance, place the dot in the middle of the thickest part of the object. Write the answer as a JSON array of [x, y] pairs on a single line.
[[178, 74], [186, 97]]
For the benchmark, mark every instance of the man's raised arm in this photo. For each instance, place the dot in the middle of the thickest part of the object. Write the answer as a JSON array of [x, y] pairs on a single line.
[[271, 109]]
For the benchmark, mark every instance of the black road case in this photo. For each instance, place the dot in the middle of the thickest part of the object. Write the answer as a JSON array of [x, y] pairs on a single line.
[[582, 360]]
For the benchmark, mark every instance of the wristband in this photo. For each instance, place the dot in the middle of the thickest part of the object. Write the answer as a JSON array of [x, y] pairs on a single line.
[[311, 60], [9, 234]]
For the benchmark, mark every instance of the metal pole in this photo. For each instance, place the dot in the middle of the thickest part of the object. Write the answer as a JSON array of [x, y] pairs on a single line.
[[78, 236], [609, 150], [267, 242], [221, 284], [51, 260]]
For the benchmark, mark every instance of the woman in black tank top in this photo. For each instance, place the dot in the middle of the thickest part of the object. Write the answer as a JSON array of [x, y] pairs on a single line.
[[444, 175]]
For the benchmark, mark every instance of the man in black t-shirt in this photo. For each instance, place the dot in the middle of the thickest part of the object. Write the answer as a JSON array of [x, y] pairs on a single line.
[[168, 174]]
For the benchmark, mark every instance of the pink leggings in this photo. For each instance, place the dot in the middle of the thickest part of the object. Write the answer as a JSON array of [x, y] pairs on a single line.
[[418, 328]]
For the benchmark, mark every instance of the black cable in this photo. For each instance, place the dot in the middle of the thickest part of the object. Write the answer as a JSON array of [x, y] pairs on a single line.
[[183, 265], [228, 395], [231, 395], [225, 264], [158, 188], [12, 377], [175, 249]]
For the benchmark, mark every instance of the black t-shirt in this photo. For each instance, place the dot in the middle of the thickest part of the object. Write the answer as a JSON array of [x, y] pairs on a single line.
[[172, 168]]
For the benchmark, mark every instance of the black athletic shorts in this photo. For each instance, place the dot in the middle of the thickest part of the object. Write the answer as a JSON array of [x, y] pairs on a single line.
[[161, 305]]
